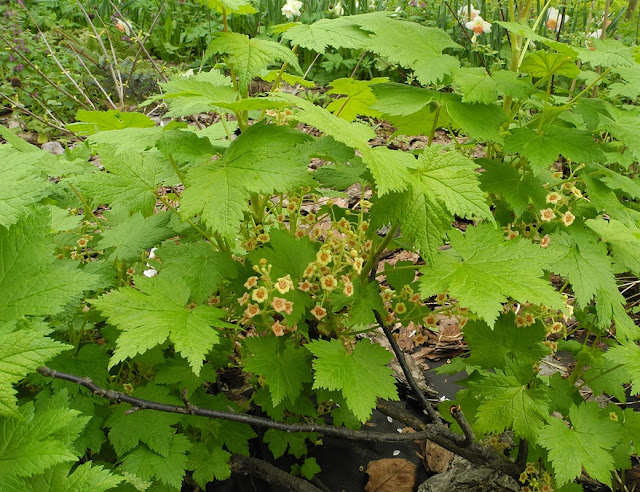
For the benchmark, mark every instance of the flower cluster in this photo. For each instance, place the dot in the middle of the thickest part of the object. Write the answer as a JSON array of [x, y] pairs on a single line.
[[536, 480], [262, 297]]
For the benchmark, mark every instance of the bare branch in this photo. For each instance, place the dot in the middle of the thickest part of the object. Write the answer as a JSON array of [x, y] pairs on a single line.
[[141, 404], [270, 474], [469, 436]]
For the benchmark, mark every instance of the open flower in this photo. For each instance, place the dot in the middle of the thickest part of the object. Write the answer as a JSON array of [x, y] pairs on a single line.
[[479, 26], [291, 9], [555, 19], [567, 218], [319, 312], [278, 329], [547, 215], [468, 13], [284, 284]]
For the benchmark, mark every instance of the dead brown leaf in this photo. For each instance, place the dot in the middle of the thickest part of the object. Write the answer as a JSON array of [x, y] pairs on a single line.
[[437, 458], [390, 475]]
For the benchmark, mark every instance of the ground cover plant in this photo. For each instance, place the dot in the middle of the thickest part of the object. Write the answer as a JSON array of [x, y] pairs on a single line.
[[149, 266]]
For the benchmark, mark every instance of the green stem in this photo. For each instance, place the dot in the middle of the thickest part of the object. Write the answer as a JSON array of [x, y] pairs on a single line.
[[176, 168], [373, 255], [434, 126], [86, 207], [617, 366]]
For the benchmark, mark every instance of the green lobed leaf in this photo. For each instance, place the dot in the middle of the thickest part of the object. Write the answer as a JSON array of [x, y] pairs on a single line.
[[361, 376], [284, 365], [132, 236], [26, 254], [442, 185], [509, 403], [202, 267], [542, 149], [156, 310], [337, 33], [545, 64], [249, 57], [627, 354], [494, 347], [28, 185], [586, 444], [130, 182], [39, 439], [483, 270], [519, 188], [476, 85], [23, 348], [623, 240], [149, 427], [263, 159], [358, 100], [86, 477], [208, 464], [169, 470], [280, 442], [607, 53]]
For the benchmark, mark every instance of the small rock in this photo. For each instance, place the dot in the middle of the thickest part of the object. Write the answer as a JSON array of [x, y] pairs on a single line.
[[55, 148], [467, 477]]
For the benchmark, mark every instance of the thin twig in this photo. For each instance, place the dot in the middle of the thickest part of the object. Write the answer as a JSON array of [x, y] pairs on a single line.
[[243, 418], [43, 75], [33, 115], [469, 436], [55, 58], [95, 81], [142, 48], [270, 474], [108, 60]]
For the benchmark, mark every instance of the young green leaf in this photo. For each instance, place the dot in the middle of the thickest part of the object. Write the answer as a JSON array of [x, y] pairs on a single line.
[[587, 443], [310, 468], [509, 403], [361, 376], [156, 310], [295, 442], [483, 270], [358, 100], [284, 366], [170, 469], [152, 428], [545, 64], [208, 464]]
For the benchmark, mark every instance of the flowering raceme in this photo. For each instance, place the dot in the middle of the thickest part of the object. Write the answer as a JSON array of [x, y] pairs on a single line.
[[291, 9]]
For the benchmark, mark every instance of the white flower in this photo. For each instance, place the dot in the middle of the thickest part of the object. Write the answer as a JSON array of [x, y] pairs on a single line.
[[151, 272], [479, 26], [467, 12], [123, 27], [291, 9], [555, 19], [597, 34], [337, 9]]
